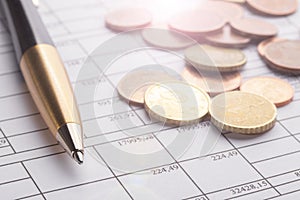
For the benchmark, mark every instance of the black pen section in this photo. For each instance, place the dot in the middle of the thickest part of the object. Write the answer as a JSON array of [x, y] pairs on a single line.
[[25, 25]]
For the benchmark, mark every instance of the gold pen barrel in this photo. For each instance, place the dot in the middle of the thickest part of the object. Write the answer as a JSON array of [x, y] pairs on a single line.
[[52, 93]]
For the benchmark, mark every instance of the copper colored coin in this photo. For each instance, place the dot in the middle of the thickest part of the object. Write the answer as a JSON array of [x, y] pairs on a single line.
[[228, 11], [254, 28], [274, 89], [128, 19], [213, 84], [284, 54], [133, 85], [274, 7], [262, 45], [281, 69], [197, 22], [227, 38]]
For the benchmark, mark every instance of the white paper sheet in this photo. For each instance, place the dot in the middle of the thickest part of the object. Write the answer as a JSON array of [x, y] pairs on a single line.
[[146, 166]]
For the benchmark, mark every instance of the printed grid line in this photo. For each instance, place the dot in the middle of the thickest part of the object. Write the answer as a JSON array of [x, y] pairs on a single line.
[[291, 135]]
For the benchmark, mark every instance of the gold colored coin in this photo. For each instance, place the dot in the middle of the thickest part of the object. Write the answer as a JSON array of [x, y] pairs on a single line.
[[205, 57], [274, 7], [242, 112], [133, 85], [214, 83], [176, 103], [276, 90]]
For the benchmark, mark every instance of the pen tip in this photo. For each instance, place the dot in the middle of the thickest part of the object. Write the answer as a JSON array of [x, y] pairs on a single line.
[[78, 156]]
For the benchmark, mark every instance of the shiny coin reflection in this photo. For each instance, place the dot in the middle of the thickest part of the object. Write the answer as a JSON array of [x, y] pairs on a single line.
[[242, 112], [176, 103]]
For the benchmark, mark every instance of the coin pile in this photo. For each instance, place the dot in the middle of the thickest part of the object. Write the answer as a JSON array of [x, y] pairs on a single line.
[[226, 26], [164, 97], [212, 69], [175, 102]]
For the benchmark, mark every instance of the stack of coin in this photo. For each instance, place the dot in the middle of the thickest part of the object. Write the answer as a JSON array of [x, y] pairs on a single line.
[[219, 14], [213, 70], [226, 26]]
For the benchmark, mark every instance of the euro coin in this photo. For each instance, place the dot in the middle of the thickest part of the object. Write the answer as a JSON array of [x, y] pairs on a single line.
[[284, 55], [126, 19], [209, 58], [261, 48], [176, 103], [214, 83], [228, 11], [254, 28], [166, 39], [274, 7], [196, 22], [242, 112], [276, 90], [133, 85]]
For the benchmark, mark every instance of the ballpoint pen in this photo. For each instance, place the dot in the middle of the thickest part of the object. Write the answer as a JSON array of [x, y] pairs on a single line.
[[45, 75]]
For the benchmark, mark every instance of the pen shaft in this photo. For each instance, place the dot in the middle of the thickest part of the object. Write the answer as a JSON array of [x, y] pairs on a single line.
[[25, 25], [45, 75]]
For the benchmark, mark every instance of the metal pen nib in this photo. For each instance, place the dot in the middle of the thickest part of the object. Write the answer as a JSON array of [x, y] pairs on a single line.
[[78, 156], [70, 137]]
